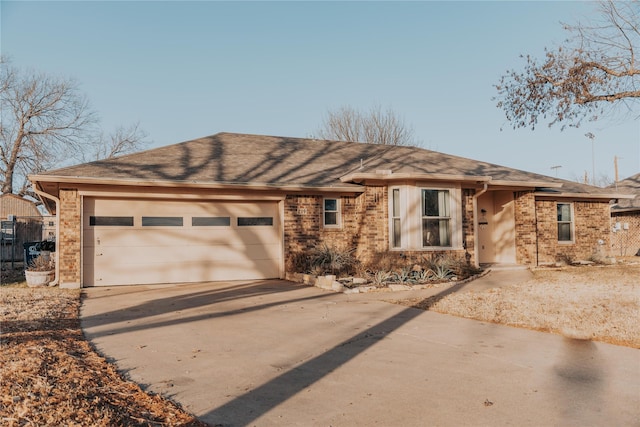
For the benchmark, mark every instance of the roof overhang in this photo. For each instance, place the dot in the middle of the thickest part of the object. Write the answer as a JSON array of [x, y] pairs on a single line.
[[51, 184], [361, 177], [584, 196], [615, 209]]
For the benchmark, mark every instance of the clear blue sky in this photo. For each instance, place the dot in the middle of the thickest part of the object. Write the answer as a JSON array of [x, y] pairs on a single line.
[[191, 69]]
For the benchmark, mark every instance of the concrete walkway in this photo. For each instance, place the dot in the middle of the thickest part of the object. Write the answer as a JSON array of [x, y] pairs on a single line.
[[273, 353]]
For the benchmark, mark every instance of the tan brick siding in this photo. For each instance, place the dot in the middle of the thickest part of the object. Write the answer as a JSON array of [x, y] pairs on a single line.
[[70, 241], [625, 242], [525, 223], [468, 230], [591, 224], [364, 223]]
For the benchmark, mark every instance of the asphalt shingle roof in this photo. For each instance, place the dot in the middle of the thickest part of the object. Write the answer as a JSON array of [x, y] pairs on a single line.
[[230, 158], [630, 185]]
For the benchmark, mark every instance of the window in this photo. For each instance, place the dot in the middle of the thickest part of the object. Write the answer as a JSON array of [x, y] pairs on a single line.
[[123, 221], [252, 221], [396, 229], [210, 221], [165, 221], [436, 218], [565, 222], [331, 213]]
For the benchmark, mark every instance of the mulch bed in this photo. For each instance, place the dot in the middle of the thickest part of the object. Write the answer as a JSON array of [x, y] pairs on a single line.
[[52, 376]]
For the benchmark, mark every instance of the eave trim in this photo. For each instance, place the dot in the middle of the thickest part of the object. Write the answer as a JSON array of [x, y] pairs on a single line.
[[195, 184]]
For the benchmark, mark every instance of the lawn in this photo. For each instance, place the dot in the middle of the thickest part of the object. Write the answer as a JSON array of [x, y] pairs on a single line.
[[599, 303]]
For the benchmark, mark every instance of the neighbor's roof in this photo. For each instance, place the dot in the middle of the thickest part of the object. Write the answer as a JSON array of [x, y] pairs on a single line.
[[257, 161], [12, 204], [631, 186]]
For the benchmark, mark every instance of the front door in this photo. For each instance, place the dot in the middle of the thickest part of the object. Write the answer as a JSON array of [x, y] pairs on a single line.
[[496, 228]]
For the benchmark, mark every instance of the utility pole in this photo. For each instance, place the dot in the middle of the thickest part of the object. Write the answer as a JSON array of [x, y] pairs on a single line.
[[615, 170], [592, 137], [555, 168]]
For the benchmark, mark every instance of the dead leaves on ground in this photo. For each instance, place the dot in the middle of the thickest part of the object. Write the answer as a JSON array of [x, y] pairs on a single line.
[[52, 376]]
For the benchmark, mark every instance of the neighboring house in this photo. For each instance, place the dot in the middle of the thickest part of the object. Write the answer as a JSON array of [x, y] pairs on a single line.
[[625, 218], [16, 206], [234, 206]]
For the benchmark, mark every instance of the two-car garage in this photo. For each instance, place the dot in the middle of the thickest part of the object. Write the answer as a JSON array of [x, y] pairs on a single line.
[[149, 241]]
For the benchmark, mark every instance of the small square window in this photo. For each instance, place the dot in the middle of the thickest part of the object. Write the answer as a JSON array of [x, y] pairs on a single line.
[[331, 212]]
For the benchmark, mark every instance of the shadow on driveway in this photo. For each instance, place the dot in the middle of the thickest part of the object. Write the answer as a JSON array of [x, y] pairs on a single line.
[[274, 353]]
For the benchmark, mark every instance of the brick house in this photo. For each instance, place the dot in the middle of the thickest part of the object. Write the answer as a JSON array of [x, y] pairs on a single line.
[[235, 206], [625, 218]]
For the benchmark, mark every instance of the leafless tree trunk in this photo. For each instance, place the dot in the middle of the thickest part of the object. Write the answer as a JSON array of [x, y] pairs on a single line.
[[593, 73], [374, 127], [44, 122]]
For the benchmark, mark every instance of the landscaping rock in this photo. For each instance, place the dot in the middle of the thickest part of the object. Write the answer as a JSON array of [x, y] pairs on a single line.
[[396, 287]]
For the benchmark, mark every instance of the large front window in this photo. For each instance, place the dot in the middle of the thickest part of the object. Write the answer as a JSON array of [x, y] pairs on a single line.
[[436, 218]]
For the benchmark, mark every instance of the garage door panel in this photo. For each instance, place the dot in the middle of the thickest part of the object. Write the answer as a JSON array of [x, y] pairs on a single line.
[[107, 256], [137, 254], [152, 273], [178, 237]]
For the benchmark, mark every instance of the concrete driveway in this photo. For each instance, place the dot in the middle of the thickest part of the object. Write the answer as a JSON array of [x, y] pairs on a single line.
[[274, 353]]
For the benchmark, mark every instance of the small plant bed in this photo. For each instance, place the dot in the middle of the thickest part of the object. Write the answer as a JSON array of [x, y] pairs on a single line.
[[331, 268]]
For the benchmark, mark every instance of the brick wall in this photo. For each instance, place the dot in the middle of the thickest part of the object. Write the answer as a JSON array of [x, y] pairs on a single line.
[[591, 224], [70, 242], [468, 235], [626, 242], [364, 223], [525, 223]]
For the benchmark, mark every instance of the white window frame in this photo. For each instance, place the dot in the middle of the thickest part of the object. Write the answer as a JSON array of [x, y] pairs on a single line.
[[337, 211], [411, 216], [448, 218], [396, 213], [571, 223]]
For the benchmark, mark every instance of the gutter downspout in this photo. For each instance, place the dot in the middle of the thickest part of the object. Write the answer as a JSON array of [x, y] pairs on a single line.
[[476, 256], [56, 278]]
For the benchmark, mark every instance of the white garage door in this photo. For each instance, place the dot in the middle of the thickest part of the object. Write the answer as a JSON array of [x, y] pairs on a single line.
[[166, 241]]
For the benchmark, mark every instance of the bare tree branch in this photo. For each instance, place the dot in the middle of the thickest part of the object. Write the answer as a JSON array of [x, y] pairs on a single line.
[[44, 122], [593, 74], [375, 127]]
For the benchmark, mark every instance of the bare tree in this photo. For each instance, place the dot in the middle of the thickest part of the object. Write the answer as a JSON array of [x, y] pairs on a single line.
[[592, 74], [45, 121], [121, 141], [374, 127]]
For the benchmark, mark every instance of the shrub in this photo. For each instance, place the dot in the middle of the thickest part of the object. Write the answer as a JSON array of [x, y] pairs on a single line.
[[381, 277], [405, 275], [331, 259], [41, 263]]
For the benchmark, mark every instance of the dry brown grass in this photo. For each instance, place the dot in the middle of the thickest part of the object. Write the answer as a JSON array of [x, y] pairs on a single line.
[[51, 375], [601, 303]]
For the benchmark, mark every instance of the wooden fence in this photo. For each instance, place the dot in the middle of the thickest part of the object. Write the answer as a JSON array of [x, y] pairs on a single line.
[[14, 234]]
